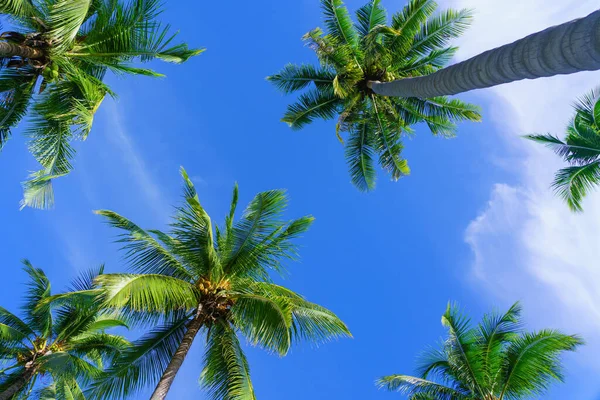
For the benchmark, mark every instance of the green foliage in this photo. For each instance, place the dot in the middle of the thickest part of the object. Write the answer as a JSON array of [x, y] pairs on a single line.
[[217, 277], [581, 149], [416, 43], [80, 40], [61, 337], [494, 360]]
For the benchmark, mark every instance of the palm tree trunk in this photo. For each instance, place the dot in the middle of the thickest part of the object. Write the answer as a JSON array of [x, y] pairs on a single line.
[[8, 49], [167, 378], [562, 49], [19, 384]]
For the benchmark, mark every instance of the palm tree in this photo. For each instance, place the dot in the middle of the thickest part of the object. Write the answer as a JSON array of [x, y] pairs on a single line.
[[52, 66], [351, 55], [66, 341], [581, 149], [563, 49], [217, 282], [495, 360]]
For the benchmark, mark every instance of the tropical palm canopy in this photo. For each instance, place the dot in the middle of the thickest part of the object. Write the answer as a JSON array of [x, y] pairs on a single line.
[[200, 278], [416, 43], [495, 360], [52, 65], [581, 149], [61, 348]]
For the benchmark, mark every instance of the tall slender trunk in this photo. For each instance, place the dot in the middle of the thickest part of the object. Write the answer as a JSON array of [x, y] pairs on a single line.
[[8, 49], [562, 49], [19, 383], [167, 378]]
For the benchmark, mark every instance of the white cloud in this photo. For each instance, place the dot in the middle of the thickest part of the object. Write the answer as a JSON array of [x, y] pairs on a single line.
[[526, 243]]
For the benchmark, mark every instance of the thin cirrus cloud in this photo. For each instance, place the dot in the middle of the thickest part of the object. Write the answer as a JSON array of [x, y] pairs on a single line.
[[526, 243]]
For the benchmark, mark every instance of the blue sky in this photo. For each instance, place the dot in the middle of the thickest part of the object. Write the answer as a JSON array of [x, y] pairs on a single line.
[[474, 223]]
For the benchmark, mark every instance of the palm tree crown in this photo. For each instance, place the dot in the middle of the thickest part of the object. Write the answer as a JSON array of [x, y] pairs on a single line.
[[495, 360], [53, 62], [581, 149], [352, 54], [214, 280], [62, 345]]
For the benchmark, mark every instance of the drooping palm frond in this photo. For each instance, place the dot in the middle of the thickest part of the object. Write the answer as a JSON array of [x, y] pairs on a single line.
[[226, 373], [415, 43], [580, 149], [141, 365]]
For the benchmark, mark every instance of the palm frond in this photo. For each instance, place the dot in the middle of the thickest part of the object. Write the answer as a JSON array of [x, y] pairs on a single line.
[[193, 230], [147, 292], [226, 373], [38, 288], [264, 320], [297, 77], [311, 105], [389, 145], [369, 16], [413, 386], [144, 253], [65, 19], [573, 183], [437, 31], [407, 24], [533, 362], [338, 22], [16, 91], [359, 151], [141, 365]]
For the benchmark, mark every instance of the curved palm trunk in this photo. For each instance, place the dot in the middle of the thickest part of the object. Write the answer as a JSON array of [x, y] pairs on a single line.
[[8, 49], [19, 384], [562, 49], [167, 378]]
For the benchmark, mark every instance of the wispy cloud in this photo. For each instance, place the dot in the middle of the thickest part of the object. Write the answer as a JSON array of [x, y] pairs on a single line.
[[526, 243], [125, 146]]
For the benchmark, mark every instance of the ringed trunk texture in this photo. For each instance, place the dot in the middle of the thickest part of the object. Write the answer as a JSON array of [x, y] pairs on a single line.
[[16, 50], [563, 49], [19, 384], [167, 378]]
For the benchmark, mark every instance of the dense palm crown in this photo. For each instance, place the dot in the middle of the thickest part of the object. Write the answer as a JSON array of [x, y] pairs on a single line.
[[202, 278], [495, 360], [581, 149], [352, 54], [53, 62], [55, 350]]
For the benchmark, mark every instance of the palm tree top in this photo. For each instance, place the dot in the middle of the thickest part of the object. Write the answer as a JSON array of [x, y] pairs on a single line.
[[350, 54], [64, 341], [217, 280], [580, 149], [52, 65], [494, 360]]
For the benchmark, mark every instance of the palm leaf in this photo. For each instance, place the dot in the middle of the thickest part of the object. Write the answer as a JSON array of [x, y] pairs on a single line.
[[413, 386], [338, 22], [65, 19], [359, 151], [296, 77], [369, 16], [573, 183], [226, 374], [141, 365], [311, 105], [533, 362], [147, 292]]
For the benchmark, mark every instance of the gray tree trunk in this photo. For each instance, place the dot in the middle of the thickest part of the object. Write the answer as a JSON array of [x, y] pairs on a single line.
[[167, 378], [558, 50], [19, 384], [8, 49]]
